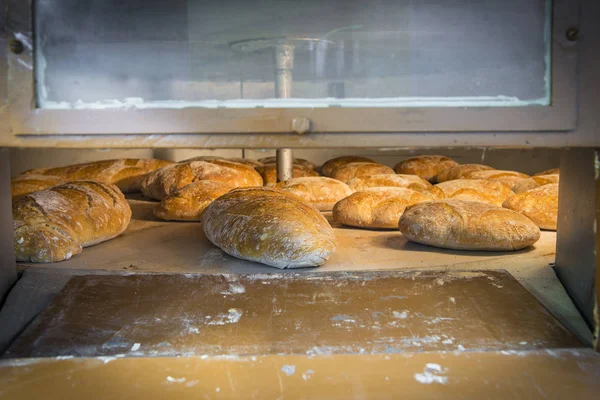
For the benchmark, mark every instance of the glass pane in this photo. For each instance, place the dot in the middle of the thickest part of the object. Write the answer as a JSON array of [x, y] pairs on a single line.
[[289, 53]]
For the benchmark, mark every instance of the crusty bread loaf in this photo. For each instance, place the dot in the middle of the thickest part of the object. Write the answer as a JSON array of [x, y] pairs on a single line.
[[553, 171], [331, 165], [269, 226], [459, 171], [377, 207], [246, 161], [397, 180], [349, 171], [507, 178], [526, 184], [189, 202], [161, 183], [54, 224], [126, 173], [25, 184], [539, 205], [297, 161], [268, 172], [480, 190], [427, 167], [319, 191], [467, 225]]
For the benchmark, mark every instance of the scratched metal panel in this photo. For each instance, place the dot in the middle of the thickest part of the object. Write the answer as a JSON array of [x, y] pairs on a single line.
[[300, 313]]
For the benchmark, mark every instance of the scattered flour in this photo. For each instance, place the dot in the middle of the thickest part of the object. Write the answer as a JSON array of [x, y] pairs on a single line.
[[135, 347], [431, 374], [175, 380], [289, 370]]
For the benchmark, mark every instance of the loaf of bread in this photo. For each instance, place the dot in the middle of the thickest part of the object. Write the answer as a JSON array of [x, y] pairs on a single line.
[[25, 184], [189, 202], [539, 205], [427, 167], [459, 171], [268, 172], [349, 171], [507, 178], [54, 224], [378, 207], [467, 225], [126, 173], [269, 226], [331, 165], [480, 190], [319, 191], [161, 183], [553, 171], [247, 161], [297, 161], [397, 180], [535, 181]]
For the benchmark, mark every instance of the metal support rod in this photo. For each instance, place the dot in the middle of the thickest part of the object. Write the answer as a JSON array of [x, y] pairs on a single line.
[[285, 165], [283, 55], [8, 266]]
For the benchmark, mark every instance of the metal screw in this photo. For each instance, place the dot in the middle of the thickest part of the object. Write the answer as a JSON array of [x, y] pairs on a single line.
[[300, 125], [573, 34], [16, 46]]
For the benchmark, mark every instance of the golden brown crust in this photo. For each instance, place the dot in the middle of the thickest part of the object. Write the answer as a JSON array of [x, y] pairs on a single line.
[[539, 205], [189, 202], [507, 178], [268, 172], [331, 165], [319, 191], [297, 161], [54, 224], [349, 171], [269, 226], [397, 180], [162, 182], [480, 190], [246, 161], [427, 167], [377, 207], [467, 225], [459, 171], [535, 181], [553, 171], [25, 184]]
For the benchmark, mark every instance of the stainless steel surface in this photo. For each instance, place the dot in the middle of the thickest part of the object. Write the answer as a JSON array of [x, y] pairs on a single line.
[[285, 164], [576, 252], [8, 268], [283, 58], [559, 116]]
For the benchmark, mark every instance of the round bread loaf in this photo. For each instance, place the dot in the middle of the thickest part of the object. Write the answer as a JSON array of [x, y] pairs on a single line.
[[397, 180], [349, 171], [427, 167], [507, 178], [331, 165], [54, 224], [480, 190], [189, 202], [378, 207], [269, 226], [459, 171], [467, 225], [535, 181], [297, 161], [268, 172], [539, 205], [319, 191], [553, 171], [162, 182]]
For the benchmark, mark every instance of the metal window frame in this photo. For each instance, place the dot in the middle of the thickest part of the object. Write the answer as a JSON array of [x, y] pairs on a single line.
[[561, 115]]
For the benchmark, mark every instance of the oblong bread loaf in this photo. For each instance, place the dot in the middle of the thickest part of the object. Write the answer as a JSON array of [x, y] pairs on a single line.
[[480, 190], [268, 172], [331, 165], [297, 161], [319, 191], [397, 180], [189, 202], [54, 224], [161, 183], [349, 171], [459, 171], [535, 181], [269, 226], [507, 178], [25, 184], [539, 205], [553, 171], [427, 167], [379, 207], [467, 225]]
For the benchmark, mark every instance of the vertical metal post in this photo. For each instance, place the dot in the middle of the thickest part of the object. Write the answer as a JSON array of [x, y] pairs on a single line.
[[8, 266], [283, 55]]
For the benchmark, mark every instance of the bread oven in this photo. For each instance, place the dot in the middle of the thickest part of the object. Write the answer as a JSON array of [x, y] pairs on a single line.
[[194, 297]]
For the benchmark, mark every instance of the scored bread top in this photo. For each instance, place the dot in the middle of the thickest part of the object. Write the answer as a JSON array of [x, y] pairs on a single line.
[[352, 170], [480, 190], [319, 191]]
